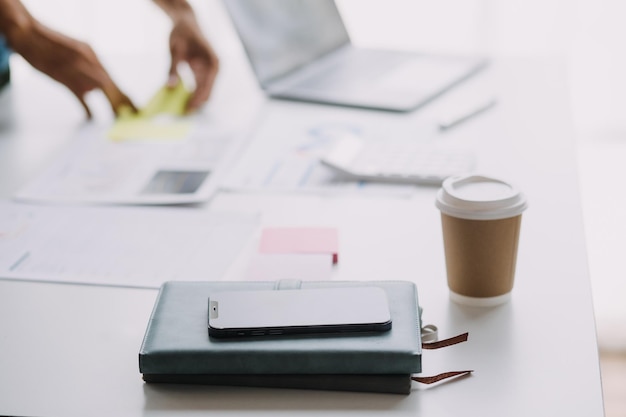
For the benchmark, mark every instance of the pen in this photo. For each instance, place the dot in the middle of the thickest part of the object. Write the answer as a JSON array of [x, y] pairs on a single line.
[[448, 124]]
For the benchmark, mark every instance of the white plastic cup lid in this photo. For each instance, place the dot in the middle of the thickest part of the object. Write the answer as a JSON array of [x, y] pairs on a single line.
[[477, 197]]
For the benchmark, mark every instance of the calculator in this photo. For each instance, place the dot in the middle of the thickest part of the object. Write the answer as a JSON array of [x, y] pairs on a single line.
[[395, 162]]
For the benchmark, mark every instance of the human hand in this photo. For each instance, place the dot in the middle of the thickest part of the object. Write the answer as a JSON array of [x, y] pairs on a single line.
[[71, 62], [188, 44]]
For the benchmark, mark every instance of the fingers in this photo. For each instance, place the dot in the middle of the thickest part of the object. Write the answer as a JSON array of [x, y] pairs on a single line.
[[173, 78], [177, 56], [124, 104], [205, 72], [205, 78], [91, 75], [100, 79], [74, 64], [118, 100], [188, 45], [82, 101], [79, 93], [120, 103]]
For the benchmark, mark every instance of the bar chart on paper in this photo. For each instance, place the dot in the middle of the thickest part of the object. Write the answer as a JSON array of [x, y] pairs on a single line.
[[285, 152]]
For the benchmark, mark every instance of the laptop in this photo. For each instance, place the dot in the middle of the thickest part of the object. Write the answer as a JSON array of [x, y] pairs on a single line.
[[300, 50]]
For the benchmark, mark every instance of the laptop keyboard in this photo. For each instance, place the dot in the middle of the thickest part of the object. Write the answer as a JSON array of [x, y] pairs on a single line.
[[359, 65]]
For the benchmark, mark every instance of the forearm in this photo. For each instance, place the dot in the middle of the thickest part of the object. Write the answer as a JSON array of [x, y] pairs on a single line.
[[15, 21], [175, 9]]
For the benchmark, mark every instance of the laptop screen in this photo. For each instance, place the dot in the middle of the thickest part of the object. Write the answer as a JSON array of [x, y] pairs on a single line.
[[282, 35]]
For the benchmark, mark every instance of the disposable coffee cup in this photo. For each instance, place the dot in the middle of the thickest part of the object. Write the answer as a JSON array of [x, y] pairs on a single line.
[[480, 218]]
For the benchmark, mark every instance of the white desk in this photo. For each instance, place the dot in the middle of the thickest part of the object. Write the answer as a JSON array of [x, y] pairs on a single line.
[[71, 350]]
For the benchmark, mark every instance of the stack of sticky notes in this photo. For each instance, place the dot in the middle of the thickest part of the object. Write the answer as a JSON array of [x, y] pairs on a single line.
[[302, 253], [304, 240]]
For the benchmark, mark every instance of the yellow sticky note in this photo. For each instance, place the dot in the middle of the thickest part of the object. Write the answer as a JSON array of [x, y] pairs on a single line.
[[167, 101], [161, 119]]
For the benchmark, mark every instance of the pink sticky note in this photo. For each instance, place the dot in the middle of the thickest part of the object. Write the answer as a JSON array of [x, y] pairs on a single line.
[[300, 240]]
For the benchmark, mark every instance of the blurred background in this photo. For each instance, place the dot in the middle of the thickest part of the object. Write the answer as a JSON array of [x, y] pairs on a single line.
[[588, 36]]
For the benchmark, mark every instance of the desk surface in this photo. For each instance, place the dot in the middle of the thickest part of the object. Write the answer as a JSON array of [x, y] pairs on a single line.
[[71, 350]]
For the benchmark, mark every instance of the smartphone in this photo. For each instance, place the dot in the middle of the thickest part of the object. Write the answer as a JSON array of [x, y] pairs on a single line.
[[303, 311]]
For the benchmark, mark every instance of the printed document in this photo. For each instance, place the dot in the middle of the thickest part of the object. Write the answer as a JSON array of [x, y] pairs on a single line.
[[121, 246], [157, 155], [284, 151]]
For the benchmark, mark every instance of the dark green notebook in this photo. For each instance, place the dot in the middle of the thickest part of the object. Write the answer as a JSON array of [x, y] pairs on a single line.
[[380, 383], [177, 347]]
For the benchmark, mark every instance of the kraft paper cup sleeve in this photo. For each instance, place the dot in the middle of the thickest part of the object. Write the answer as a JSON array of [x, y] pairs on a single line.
[[481, 219]]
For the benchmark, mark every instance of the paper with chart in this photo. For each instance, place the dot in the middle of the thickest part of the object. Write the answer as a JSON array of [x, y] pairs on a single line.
[[95, 169], [155, 156], [284, 150], [121, 246]]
